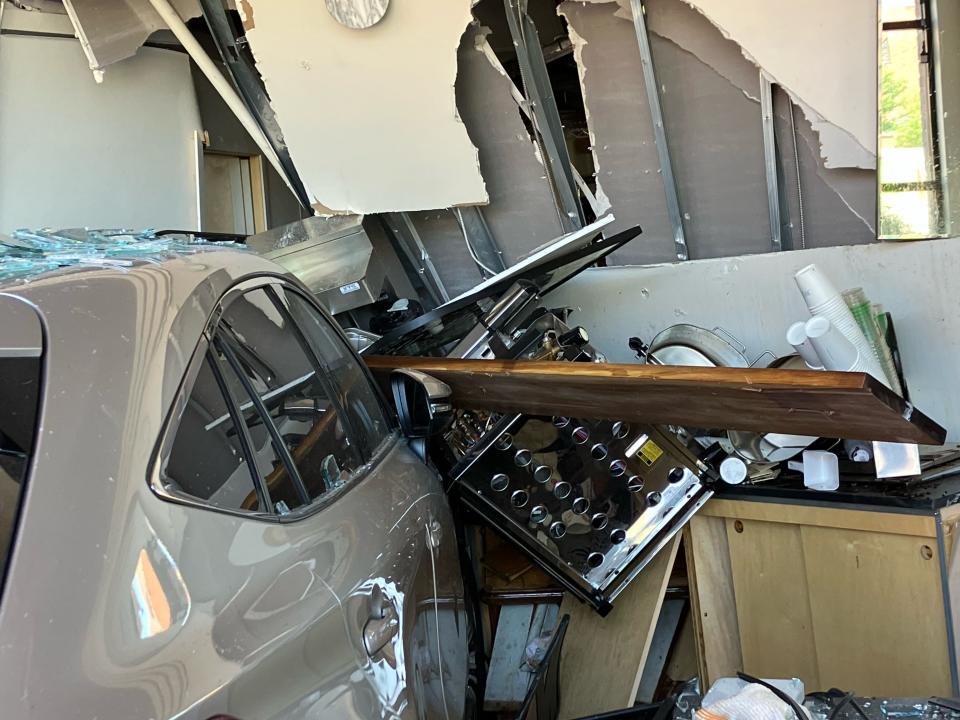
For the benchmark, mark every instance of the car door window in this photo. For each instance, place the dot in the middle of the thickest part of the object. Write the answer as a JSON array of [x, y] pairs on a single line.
[[206, 460], [356, 394], [287, 399]]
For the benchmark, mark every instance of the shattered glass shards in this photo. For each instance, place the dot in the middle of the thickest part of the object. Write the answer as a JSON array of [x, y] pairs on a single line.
[[28, 253]]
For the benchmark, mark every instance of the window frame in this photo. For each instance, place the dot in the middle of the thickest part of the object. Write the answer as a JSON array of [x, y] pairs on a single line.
[[205, 348], [925, 24]]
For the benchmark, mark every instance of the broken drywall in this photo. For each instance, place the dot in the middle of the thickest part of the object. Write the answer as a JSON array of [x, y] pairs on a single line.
[[522, 213], [713, 131], [620, 126], [839, 204], [369, 116], [709, 97], [797, 45], [822, 52], [110, 31], [856, 188]]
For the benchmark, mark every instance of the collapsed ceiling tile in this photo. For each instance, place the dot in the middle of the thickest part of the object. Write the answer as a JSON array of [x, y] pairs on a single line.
[[369, 116], [110, 31]]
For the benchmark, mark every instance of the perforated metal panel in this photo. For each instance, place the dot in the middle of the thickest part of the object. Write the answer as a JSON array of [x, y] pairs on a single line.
[[591, 502]]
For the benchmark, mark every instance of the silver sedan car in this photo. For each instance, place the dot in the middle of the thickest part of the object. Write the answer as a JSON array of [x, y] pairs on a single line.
[[206, 509]]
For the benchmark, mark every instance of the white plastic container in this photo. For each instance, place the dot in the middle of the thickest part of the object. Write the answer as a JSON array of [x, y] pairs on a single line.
[[733, 470], [838, 352], [821, 470]]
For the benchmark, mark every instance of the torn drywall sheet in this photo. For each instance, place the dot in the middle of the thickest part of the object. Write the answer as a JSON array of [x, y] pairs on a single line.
[[855, 187], [522, 213], [110, 31], [797, 45], [369, 116], [839, 204], [618, 119], [718, 165], [801, 45], [708, 94]]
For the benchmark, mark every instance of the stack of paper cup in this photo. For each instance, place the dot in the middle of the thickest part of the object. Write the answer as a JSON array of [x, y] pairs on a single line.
[[825, 301]]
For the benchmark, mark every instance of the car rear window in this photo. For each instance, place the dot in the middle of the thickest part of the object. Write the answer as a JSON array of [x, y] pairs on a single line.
[[19, 399]]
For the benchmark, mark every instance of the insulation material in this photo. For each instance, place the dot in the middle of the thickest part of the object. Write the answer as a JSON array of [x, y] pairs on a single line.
[[522, 213], [110, 31], [369, 116]]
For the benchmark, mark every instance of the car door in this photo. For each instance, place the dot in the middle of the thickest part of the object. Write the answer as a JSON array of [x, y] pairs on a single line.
[[365, 517]]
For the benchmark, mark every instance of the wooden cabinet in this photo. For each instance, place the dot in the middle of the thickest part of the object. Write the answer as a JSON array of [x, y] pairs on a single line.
[[845, 597]]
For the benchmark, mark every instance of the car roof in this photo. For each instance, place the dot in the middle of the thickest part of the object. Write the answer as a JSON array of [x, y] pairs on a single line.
[[84, 306]]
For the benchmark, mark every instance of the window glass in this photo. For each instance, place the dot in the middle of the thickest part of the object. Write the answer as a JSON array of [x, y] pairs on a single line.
[[910, 186], [19, 402], [270, 354], [206, 460], [357, 395]]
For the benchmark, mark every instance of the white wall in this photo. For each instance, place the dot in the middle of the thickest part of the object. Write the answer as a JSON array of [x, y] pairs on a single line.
[[74, 153], [755, 298]]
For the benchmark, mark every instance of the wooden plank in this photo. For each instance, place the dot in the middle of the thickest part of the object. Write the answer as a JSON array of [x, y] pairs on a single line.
[[712, 602], [773, 607], [603, 657], [508, 647], [883, 522], [829, 404], [877, 612]]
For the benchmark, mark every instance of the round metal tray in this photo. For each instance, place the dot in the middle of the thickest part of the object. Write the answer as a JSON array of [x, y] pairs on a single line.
[[706, 344]]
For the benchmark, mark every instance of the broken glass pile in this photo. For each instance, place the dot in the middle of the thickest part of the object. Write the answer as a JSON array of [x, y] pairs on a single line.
[[28, 253]]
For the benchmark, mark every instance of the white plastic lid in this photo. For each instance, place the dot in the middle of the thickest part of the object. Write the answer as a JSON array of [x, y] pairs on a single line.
[[733, 470]]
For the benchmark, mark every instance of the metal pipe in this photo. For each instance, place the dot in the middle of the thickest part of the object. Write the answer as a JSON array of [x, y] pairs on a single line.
[[659, 133], [173, 20], [770, 160]]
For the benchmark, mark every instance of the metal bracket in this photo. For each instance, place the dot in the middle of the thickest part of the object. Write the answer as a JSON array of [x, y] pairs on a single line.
[[403, 229], [770, 160], [659, 133], [546, 117]]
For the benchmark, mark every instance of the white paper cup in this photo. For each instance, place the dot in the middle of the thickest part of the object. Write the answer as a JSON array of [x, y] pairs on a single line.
[[815, 287], [797, 337], [832, 346]]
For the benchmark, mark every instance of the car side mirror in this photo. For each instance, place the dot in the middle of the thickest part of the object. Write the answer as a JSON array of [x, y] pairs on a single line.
[[423, 403]]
